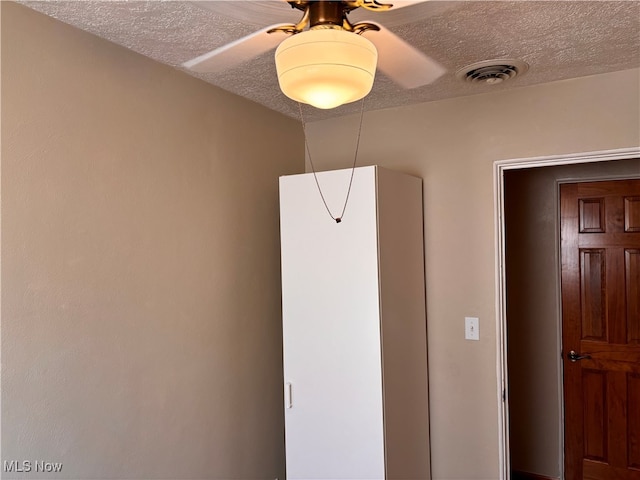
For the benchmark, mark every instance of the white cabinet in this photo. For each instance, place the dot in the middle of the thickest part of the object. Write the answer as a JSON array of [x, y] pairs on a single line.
[[355, 359]]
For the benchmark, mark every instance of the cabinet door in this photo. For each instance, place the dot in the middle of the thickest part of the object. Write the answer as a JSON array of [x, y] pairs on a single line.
[[331, 323]]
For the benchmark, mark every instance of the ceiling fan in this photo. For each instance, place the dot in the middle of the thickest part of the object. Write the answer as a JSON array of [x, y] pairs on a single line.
[[325, 59]]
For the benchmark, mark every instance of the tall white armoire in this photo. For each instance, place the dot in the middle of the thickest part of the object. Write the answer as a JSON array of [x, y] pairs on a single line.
[[353, 300]]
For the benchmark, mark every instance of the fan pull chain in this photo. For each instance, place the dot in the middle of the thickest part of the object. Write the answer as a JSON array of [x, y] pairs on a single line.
[[353, 168]]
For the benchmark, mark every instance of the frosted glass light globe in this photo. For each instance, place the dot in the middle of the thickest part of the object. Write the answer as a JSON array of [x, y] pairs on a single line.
[[326, 67]]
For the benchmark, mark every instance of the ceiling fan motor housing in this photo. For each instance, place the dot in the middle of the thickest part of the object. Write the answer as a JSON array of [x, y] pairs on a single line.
[[326, 14]]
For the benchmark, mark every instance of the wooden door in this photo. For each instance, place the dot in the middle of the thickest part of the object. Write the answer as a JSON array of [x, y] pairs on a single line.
[[600, 235]]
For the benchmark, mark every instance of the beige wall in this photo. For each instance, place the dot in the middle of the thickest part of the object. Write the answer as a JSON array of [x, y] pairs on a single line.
[[533, 317], [141, 330], [452, 145]]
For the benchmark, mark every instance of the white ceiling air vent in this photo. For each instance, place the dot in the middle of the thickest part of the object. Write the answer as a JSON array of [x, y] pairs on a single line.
[[492, 71]]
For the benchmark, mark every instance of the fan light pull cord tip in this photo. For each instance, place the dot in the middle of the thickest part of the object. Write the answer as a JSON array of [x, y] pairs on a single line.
[[353, 167]]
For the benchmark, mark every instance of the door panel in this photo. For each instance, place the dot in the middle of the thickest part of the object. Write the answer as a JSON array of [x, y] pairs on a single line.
[[600, 236], [594, 387], [331, 329], [592, 286], [633, 398], [632, 283]]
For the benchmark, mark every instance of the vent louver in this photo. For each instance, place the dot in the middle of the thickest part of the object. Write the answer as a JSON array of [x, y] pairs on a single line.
[[492, 71]]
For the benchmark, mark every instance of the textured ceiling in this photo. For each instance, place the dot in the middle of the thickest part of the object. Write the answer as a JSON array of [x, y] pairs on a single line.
[[558, 39]]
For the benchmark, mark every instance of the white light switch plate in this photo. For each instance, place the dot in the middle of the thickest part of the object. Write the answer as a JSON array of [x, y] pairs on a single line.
[[471, 328]]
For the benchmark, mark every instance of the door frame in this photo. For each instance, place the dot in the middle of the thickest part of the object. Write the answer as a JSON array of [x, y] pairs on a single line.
[[500, 167]]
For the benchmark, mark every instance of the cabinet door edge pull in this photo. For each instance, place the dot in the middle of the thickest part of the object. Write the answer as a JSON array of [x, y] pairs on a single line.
[[288, 395]]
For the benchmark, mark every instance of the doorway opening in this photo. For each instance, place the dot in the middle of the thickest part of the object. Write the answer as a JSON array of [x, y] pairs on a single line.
[[529, 328]]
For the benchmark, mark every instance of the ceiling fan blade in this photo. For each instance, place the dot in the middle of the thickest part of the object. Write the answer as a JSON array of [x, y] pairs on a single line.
[[237, 52], [399, 15], [402, 63], [404, 3], [252, 12]]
